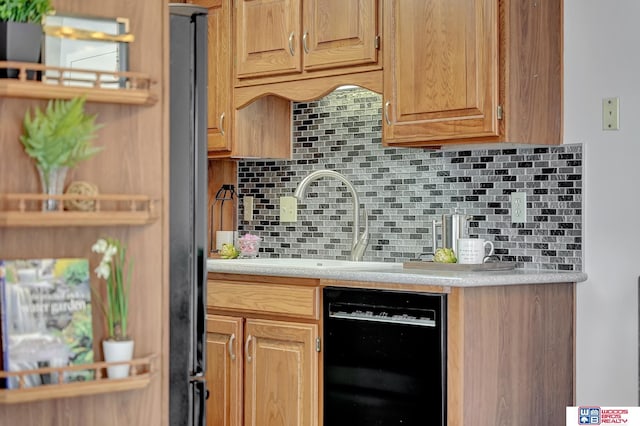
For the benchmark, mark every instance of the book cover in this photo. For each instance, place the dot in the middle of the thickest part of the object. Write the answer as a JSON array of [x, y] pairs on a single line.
[[46, 318]]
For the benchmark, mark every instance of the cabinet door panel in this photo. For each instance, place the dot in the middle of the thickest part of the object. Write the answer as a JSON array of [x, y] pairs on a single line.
[[219, 69], [441, 74], [281, 370], [224, 371], [267, 37], [339, 33]]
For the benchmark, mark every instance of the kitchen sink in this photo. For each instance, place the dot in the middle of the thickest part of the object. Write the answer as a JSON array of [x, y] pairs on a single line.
[[307, 263]]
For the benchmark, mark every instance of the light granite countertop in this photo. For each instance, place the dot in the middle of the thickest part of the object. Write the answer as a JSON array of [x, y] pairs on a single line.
[[388, 272]]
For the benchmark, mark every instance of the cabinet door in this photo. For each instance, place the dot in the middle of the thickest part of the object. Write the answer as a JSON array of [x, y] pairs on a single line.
[[267, 37], [441, 70], [224, 370], [219, 68], [281, 374], [339, 33]]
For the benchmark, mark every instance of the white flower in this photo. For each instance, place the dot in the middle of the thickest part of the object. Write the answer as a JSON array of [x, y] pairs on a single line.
[[109, 252], [100, 246], [103, 270]]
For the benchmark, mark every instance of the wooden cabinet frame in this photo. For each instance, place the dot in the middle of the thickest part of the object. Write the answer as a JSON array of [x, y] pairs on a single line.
[[481, 71], [263, 343], [287, 40]]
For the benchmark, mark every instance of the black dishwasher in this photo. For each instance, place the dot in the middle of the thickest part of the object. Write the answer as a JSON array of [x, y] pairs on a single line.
[[384, 358]]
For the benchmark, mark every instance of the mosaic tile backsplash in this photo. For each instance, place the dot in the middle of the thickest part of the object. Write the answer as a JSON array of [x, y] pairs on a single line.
[[404, 189]]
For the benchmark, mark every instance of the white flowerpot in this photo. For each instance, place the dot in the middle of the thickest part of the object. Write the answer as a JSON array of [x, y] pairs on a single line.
[[115, 350]]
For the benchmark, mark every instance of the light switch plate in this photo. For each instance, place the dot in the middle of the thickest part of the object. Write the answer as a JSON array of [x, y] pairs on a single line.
[[288, 209], [518, 207], [610, 114], [248, 208]]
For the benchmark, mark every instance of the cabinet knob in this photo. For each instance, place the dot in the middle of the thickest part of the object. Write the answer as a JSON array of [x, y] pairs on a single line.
[[292, 49]]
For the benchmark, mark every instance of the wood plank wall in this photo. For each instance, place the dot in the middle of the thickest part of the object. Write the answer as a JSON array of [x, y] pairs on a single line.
[[134, 161]]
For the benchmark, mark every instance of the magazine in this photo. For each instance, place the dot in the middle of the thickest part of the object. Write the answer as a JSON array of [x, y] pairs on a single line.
[[45, 318]]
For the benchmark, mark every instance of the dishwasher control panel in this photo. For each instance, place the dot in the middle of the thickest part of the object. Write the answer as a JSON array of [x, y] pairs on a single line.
[[386, 314]]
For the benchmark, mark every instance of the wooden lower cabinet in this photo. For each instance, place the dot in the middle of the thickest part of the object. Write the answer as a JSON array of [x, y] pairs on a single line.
[[281, 374], [510, 351], [279, 363], [224, 370]]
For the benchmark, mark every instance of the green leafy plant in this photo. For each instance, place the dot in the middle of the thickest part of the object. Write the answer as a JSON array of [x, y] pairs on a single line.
[[76, 274], [61, 135], [115, 269], [24, 10]]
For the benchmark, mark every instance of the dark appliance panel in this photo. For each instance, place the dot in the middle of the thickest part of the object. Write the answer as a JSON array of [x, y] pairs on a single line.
[[384, 358]]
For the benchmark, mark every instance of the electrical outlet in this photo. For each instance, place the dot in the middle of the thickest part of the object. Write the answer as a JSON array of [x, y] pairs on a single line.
[[610, 114], [288, 209], [518, 207], [247, 202]]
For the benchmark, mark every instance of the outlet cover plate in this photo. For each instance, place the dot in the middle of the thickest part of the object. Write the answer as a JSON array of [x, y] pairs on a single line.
[[288, 209], [518, 207]]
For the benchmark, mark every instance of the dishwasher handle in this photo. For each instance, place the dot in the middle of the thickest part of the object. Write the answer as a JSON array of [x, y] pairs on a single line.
[[423, 318]]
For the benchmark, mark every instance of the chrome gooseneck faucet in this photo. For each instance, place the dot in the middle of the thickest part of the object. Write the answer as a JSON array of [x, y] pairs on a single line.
[[359, 244]]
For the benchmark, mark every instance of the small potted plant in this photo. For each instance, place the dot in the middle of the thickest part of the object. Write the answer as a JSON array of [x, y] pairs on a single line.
[[58, 138], [21, 31], [115, 270]]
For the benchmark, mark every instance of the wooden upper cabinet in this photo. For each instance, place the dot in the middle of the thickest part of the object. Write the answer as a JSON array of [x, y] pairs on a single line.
[[472, 71], [224, 370], [219, 87], [284, 40], [339, 33], [233, 133], [281, 373], [267, 37], [440, 70]]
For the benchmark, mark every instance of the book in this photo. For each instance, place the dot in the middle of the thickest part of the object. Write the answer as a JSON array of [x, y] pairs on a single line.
[[45, 314]]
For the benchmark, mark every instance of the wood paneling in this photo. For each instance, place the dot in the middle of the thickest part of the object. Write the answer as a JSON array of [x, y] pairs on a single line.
[[510, 355], [263, 128], [533, 47], [134, 161]]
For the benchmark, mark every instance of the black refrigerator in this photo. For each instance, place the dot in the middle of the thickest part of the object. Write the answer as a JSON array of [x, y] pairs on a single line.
[[187, 214]]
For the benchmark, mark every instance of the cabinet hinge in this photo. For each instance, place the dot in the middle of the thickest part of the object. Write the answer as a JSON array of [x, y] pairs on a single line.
[[499, 112], [318, 347], [376, 42]]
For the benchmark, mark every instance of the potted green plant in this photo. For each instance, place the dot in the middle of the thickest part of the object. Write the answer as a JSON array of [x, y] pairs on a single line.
[[115, 270], [21, 31], [58, 138]]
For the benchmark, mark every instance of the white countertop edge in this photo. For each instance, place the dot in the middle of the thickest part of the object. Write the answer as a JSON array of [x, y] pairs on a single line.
[[411, 276]]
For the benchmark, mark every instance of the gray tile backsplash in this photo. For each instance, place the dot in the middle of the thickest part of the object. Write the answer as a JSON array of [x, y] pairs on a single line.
[[404, 189]]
